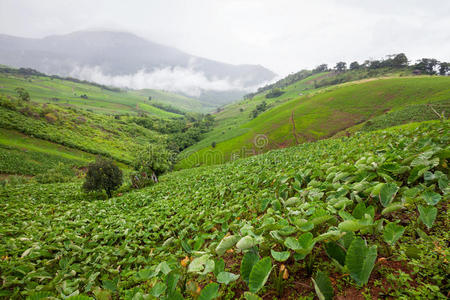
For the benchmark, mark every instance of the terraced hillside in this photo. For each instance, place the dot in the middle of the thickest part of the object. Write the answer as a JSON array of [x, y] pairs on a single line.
[[364, 216], [318, 115], [48, 89]]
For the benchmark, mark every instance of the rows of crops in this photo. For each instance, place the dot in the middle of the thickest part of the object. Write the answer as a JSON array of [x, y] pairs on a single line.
[[343, 212]]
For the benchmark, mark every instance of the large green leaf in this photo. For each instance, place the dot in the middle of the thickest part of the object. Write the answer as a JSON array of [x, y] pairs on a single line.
[[280, 256], [360, 260], [158, 289], [392, 232], [209, 292], [323, 287], [226, 243], [430, 197], [247, 263], [427, 215], [219, 266], [292, 243], [259, 274], [226, 277], [336, 252], [40, 296], [246, 242], [387, 193]]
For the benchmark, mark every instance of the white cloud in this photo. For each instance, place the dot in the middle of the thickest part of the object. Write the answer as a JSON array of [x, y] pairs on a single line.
[[176, 79]]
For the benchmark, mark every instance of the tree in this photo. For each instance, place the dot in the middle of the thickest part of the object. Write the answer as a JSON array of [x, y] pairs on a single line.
[[213, 144], [149, 98], [400, 60], [321, 68], [444, 67], [427, 65], [153, 161], [23, 94], [103, 174], [341, 66], [354, 65]]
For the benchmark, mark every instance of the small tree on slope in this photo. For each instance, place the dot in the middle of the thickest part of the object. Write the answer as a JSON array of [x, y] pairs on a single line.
[[103, 174]]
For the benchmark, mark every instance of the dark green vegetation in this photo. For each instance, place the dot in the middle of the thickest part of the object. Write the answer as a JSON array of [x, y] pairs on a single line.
[[95, 97], [320, 114], [101, 175], [365, 215]]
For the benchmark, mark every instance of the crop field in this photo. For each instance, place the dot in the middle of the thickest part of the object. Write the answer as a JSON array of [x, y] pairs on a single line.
[[317, 116], [63, 92], [81, 130], [361, 216], [25, 155]]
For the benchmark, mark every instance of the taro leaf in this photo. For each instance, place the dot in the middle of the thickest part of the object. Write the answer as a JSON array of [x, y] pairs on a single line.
[[263, 203], [163, 267], [280, 256], [347, 239], [292, 243], [276, 204], [144, 274], [394, 206], [247, 263], [323, 287], [360, 260], [350, 225], [40, 295], [259, 274], [186, 246], [392, 232], [198, 264], [245, 243], [111, 284], [292, 201], [80, 297], [431, 197], [251, 296], [219, 266], [387, 193], [226, 243], [171, 282], [158, 289], [336, 252], [209, 292], [306, 241], [416, 173], [427, 215], [226, 277]]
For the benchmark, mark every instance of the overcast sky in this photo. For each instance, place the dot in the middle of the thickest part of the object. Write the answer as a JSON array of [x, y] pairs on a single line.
[[283, 35]]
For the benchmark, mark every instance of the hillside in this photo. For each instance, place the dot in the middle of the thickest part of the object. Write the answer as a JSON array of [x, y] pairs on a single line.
[[102, 99], [316, 114], [362, 216]]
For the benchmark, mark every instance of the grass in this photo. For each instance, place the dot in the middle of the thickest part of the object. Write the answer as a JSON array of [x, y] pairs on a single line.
[[316, 116], [44, 89]]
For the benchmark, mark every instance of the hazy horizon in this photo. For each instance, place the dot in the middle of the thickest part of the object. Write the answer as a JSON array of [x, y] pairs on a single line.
[[284, 36]]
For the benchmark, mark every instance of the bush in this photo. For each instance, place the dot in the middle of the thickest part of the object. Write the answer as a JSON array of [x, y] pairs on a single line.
[[150, 163], [103, 174]]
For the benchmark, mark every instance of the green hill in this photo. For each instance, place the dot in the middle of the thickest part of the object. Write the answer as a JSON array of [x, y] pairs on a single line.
[[101, 99], [320, 114], [366, 211]]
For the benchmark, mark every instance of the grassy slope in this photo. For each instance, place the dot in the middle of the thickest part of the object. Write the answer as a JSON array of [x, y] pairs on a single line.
[[318, 116], [121, 236], [176, 100], [45, 90], [21, 154]]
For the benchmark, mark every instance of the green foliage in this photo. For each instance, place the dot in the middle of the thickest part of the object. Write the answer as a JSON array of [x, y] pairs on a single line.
[[360, 260], [259, 274], [23, 94], [152, 162], [60, 173], [427, 214], [61, 240], [103, 174], [209, 292], [323, 287], [392, 233]]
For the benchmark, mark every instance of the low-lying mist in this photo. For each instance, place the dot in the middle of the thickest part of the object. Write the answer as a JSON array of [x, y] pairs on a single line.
[[176, 79]]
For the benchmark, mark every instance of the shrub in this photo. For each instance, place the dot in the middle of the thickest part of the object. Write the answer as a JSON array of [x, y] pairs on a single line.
[[103, 174], [150, 163]]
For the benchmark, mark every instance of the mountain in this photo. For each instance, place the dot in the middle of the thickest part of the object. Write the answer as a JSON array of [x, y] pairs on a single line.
[[106, 57]]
